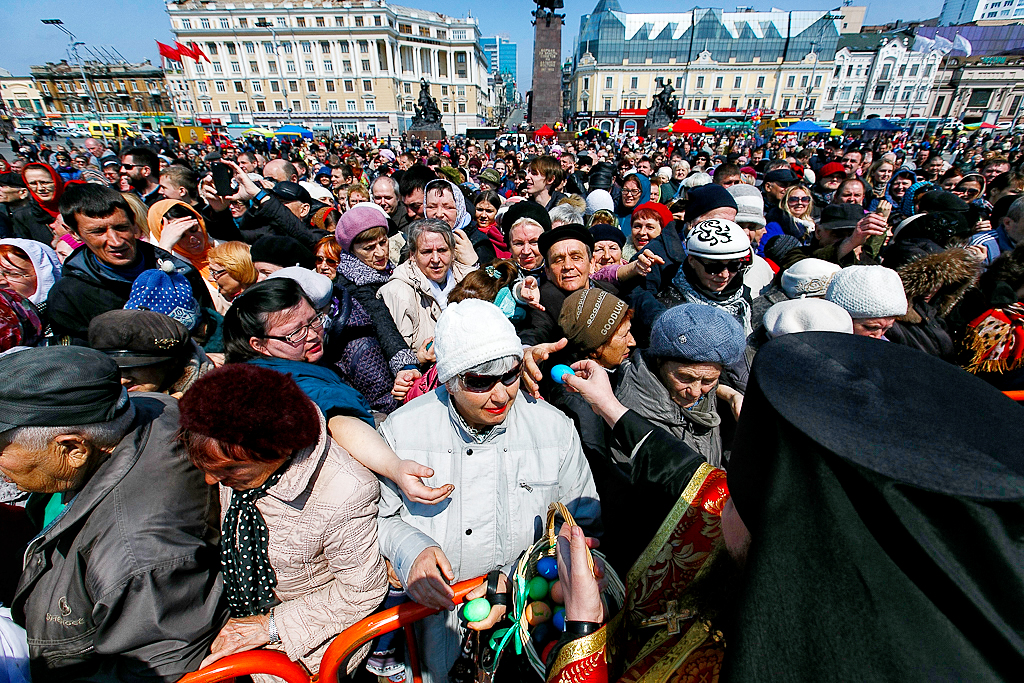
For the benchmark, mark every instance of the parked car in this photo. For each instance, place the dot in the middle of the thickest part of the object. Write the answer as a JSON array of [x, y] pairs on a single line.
[[24, 130]]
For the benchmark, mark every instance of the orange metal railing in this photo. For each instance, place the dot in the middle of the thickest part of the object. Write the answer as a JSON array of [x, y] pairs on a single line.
[[251, 662], [1015, 395]]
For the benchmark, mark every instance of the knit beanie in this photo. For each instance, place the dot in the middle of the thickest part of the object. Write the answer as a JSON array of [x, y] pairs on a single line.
[[868, 292], [603, 232], [598, 200], [166, 291], [590, 317], [281, 251], [664, 215], [472, 332], [698, 334], [718, 238], [361, 217], [317, 287], [706, 198], [780, 245], [252, 407], [749, 204], [806, 315], [808, 277]]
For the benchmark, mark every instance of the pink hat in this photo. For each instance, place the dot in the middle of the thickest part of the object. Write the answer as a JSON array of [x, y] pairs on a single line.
[[359, 218]]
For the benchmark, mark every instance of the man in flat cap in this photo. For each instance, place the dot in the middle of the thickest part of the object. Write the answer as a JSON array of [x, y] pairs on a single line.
[[122, 583]]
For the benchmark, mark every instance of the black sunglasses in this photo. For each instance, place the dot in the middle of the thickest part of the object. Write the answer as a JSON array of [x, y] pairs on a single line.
[[479, 384], [716, 267]]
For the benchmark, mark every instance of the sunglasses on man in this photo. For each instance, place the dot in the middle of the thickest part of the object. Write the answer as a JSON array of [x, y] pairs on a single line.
[[712, 267], [480, 384]]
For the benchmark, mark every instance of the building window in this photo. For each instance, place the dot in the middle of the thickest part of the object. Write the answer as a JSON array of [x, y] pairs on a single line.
[[314, 105], [844, 94], [903, 69], [586, 84], [407, 88], [367, 85], [300, 22], [204, 23], [328, 65], [737, 83], [207, 106], [231, 48], [225, 106], [243, 107], [307, 47], [365, 64], [444, 91], [633, 83], [203, 88], [219, 85], [785, 103], [364, 47], [225, 23], [377, 21], [339, 21], [359, 21], [350, 105], [250, 48], [607, 104], [332, 105], [257, 87], [329, 85], [791, 82], [287, 47], [254, 67], [879, 93], [268, 48], [817, 81], [349, 86], [243, 23], [444, 107], [760, 82], [832, 93], [914, 69], [700, 82], [275, 86], [320, 21], [186, 24], [886, 71], [293, 86], [291, 66], [199, 67], [608, 82], [849, 71], [442, 34], [714, 104], [261, 105], [425, 31], [239, 86], [735, 104], [309, 65], [236, 68], [278, 105], [369, 105], [310, 86], [804, 80], [282, 22], [928, 70], [272, 67], [462, 107], [718, 82]]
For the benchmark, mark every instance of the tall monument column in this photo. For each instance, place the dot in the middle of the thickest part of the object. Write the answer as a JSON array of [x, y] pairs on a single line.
[[546, 102]]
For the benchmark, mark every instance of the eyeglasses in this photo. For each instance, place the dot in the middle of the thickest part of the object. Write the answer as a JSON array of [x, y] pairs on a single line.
[[968, 191], [716, 267], [216, 274], [630, 192], [799, 200], [300, 334], [329, 261], [14, 275], [479, 384], [128, 167]]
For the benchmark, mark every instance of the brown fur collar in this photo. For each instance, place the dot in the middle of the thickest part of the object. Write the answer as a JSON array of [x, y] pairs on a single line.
[[943, 278]]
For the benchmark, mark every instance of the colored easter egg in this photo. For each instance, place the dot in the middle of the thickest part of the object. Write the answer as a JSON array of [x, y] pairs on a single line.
[[559, 619], [537, 588], [548, 567], [557, 595], [537, 613], [476, 610], [559, 371]]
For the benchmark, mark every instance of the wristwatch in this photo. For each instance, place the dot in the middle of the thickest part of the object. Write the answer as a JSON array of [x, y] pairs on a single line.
[[275, 637], [260, 196]]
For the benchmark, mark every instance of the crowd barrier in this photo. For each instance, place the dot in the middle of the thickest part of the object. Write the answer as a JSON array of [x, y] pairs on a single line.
[[341, 648]]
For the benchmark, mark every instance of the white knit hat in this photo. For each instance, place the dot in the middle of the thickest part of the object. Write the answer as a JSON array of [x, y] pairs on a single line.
[[868, 292], [317, 287], [472, 332], [599, 199], [806, 315], [718, 238], [749, 204], [808, 277]]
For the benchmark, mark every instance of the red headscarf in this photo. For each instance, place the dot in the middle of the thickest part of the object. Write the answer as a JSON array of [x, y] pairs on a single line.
[[50, 206]]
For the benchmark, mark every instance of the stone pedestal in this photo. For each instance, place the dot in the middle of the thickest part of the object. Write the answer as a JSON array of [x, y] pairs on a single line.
[[547, 69], [432, 135]]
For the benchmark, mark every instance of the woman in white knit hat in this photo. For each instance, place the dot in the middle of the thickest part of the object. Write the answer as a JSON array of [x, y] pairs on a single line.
[[872, 295], [509, 457]]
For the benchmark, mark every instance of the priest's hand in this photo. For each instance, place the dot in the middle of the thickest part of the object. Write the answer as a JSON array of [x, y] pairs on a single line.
[[591, 382], [580, 586]]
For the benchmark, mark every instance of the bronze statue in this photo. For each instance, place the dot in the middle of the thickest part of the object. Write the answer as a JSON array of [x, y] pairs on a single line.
[[426, 115]]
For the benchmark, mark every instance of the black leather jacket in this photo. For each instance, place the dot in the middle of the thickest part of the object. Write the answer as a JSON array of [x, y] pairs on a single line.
[[125, 585]]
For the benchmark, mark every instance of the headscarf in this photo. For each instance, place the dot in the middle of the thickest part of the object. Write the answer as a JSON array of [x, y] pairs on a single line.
[[249, 579], [52, 206], [907, 206], [200, 262], [888, 188], [462, 219], [44, 261], [19, 322], [624, 213], [980, 200]]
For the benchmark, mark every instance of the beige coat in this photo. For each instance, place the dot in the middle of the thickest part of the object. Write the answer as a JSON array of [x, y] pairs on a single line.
[[407, 296], [322, 519]]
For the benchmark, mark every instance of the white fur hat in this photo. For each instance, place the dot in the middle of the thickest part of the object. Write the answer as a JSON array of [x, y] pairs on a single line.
[[868, 292], [806, 315], [472, 332], [598, 200], [317, 287], [808, 277]]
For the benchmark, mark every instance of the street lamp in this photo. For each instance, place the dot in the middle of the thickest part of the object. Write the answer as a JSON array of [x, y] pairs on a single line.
[[263, 23], [73, 46]]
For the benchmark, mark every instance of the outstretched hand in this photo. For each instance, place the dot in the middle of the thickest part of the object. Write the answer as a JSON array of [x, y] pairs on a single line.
[[533, 356]]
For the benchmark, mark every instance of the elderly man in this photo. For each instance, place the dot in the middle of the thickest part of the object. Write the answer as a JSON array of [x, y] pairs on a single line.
[[122, 582], [281, 171], [385, 194], [567, 252], [99, 154], [99, 278], [509, 458]]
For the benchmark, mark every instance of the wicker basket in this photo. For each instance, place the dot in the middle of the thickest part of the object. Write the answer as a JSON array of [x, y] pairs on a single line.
[[614, 592]]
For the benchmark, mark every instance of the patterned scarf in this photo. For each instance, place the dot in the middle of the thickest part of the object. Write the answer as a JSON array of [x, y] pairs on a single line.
[[249, 579], [733, 303]]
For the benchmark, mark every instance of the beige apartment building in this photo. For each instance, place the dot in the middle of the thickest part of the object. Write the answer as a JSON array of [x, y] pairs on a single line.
[[349, 66]]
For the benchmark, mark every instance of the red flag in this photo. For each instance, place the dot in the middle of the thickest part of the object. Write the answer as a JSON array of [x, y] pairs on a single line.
[[168, 52], [185, 52], [197, 52]]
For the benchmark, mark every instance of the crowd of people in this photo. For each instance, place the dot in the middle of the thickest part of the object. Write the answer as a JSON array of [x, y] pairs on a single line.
[[253, 395]]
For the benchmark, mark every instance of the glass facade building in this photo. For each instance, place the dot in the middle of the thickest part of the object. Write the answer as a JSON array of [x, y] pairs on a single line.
[[611, 35], [986, 41], [502, 59]]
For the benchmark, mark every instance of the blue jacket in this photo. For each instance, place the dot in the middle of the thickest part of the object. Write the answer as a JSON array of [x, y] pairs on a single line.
[[330, 394]]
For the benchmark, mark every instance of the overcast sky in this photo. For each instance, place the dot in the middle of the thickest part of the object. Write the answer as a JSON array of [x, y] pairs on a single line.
[[133, 27]]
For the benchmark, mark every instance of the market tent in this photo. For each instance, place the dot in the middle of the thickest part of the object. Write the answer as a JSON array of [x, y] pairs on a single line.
[[294, 130], [805, 127], [544, 131], [686, 126], [263, 132], [730, 124], [878, 124]]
